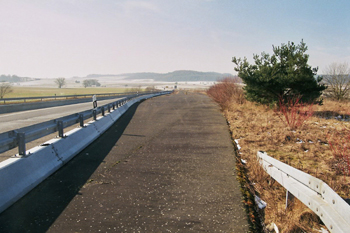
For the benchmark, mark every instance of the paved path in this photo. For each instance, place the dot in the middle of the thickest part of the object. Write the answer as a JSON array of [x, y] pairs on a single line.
[[166, 166]]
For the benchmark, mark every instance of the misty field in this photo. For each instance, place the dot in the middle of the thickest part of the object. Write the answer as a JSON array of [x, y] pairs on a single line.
[[41, 91]]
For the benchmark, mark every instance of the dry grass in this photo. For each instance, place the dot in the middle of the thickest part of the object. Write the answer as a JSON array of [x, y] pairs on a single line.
[[307, 149], [41, 91]]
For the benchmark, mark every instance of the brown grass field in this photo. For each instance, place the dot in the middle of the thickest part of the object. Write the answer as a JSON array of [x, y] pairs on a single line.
[[307, 148], [260, 128]]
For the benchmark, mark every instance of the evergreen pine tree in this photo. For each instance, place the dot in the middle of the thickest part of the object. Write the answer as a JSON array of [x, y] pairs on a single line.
[[285, 74]]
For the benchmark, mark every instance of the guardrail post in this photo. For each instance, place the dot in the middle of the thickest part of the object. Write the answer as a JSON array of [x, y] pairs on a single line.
[[109, 108], [103, 111], [289, 199], [113, 105], [81, 120], [21, 140], [60, 128], [94, 114]]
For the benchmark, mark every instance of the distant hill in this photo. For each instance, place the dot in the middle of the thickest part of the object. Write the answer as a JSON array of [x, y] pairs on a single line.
[[176, 76], [14, 78]]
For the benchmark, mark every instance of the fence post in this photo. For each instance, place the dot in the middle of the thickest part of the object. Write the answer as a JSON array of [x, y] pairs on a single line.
[[94, 114], [60, 129], [21, 140], [81, 120]]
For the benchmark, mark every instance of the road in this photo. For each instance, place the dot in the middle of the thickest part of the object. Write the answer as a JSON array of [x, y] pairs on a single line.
[[12, 121], [167, 165]]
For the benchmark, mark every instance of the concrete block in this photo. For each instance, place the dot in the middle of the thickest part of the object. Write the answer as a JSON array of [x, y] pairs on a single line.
[[20, 175]]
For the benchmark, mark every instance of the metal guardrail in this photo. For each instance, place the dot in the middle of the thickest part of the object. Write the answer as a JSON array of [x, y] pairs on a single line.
[[60, 97], [19, 137], [313, 192]]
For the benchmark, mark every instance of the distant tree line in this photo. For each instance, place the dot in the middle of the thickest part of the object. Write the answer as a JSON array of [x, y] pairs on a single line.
[[14, 78], [91, 82]]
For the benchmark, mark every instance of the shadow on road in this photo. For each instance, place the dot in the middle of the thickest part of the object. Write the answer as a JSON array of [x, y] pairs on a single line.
[[38, 210]]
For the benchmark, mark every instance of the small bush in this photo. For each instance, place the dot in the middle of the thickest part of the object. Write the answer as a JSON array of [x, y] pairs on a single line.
[[295, 113], [226, 91]]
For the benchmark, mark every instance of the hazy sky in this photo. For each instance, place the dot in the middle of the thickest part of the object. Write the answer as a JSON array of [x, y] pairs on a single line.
[[65, 38]]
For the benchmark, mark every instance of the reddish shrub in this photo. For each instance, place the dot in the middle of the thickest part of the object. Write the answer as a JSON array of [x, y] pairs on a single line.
[[295, 113], [226, 91]]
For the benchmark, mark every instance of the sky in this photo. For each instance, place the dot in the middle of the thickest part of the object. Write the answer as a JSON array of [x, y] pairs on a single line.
[[66, 38]]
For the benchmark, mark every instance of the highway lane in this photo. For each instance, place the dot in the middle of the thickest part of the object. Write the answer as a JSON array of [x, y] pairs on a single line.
[[16, 120]]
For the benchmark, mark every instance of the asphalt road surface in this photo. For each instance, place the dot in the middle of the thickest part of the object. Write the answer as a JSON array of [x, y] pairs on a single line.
[[167, 165], [16, 120]]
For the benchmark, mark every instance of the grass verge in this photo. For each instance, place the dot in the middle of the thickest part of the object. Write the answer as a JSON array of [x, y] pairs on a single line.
[[260, 128], [306, 147]]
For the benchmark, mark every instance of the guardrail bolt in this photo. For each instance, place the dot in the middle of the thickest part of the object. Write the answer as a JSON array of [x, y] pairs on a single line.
[[60, 129], [81, 120], [21, 141], [94, 114]]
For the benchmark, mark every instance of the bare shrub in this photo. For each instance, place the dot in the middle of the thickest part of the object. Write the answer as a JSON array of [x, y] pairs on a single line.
[[338, 80], [151, 89], [226, 91], [135, 89], [5, 88], [295, 113]]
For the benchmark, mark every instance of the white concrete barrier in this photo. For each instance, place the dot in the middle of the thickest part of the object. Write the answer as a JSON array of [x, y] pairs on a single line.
[[19, 175]]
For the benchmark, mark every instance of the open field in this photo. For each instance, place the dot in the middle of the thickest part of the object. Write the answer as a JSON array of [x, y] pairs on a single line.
[[108, 84], [47, 87], [47, 91]]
